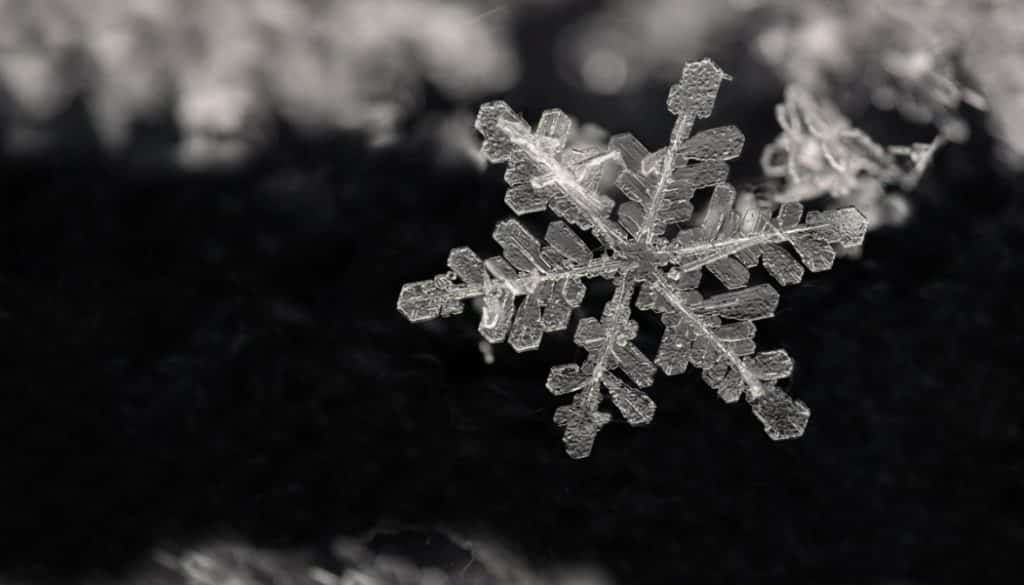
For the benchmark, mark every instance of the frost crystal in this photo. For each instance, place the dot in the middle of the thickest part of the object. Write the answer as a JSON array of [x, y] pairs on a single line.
[[655, 255]]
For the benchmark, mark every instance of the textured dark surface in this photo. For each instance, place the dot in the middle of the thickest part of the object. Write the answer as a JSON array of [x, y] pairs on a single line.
[[185, 355]]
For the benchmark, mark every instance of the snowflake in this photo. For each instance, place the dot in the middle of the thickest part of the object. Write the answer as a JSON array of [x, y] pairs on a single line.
[[653, 251]]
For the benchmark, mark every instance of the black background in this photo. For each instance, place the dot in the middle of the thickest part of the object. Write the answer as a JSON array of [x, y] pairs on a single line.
[[187, 354]]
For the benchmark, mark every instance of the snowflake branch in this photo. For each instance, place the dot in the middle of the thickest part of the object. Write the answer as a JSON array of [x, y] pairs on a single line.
[[616, 316], [441, 296], [664, 287], [680, 132], [587, 200], [692, 257]]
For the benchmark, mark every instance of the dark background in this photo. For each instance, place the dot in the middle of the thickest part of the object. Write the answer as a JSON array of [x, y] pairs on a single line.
[[194, 354]]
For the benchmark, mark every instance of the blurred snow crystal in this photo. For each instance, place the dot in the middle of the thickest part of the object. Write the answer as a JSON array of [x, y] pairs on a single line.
[[922, 58], [227, 69], [820, 154], [655, 252]]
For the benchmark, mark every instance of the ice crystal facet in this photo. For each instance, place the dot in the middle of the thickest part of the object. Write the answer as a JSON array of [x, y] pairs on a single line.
[[655, 252]]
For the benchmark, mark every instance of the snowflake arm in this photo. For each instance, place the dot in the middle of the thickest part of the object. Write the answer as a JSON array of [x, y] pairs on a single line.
[[542, 173], [608, 342], [549, 277], [725, 352], [728, 244], [661, 184]]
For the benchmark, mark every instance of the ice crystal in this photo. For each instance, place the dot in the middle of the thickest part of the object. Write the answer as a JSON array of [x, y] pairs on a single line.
[[654, 253], [821, 154]]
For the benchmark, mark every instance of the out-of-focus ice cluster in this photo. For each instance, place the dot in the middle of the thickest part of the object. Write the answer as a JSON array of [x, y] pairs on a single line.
[[228, 71], [923, 58], [820, 154]]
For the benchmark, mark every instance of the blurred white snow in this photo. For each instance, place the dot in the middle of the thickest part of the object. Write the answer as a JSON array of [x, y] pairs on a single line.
[[226, 70], [922, 58]]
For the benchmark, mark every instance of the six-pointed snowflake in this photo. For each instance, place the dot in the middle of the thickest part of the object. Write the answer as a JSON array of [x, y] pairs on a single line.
[[654, 252]]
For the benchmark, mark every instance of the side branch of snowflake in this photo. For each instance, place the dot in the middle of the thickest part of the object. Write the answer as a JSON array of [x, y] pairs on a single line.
[[656, 257]]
